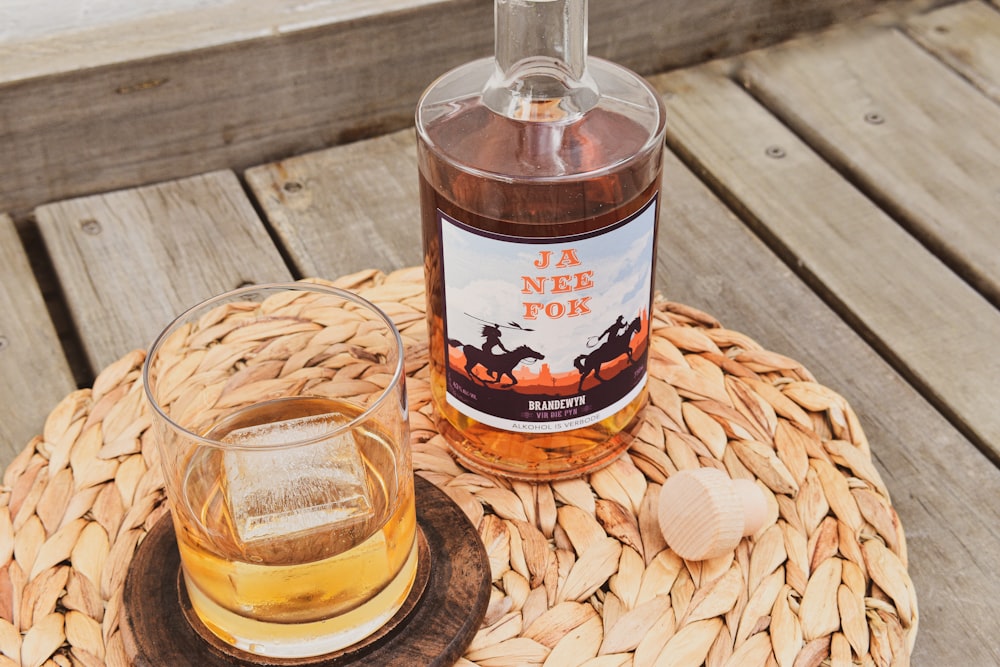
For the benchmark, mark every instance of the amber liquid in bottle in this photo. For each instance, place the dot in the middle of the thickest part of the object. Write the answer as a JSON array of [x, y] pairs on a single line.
[[540, 169]]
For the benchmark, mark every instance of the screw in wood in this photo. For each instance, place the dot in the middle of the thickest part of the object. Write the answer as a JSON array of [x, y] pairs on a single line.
[[874, 118], [90, 226], [776, 152]]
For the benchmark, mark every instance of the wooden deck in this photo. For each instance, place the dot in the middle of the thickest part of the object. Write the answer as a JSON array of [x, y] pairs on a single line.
[[836, 197]]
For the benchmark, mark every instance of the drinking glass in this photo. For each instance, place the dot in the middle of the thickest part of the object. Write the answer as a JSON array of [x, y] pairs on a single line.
[[280, 417]]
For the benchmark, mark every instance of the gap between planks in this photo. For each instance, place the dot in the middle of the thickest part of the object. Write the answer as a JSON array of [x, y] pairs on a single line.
[[34, 373]]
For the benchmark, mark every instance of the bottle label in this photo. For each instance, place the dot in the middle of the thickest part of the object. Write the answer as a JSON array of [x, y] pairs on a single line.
[[546, 334]]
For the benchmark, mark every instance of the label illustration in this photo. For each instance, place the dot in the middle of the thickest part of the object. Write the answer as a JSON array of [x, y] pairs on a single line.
[[543, 334]]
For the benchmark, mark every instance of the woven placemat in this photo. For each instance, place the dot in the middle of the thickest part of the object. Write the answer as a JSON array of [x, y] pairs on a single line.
[[581, 575]]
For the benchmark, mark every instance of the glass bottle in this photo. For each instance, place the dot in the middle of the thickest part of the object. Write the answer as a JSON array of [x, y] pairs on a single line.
[[539, 182]]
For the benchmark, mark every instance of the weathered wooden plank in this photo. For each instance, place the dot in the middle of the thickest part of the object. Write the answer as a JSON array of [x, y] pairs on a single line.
[[34, 374], [129, 261], [944, 490], [913, 308], [943, 487], [325, 205], [183, 93], [914, 135], [967, 37]]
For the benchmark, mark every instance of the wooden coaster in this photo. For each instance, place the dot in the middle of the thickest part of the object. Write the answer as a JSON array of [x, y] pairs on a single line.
[[435, 625]]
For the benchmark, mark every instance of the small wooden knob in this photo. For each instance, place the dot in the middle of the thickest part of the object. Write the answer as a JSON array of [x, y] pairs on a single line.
[[704, 514]]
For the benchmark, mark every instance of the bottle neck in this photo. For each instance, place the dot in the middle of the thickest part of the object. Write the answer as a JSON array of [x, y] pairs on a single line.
[[540, 66]]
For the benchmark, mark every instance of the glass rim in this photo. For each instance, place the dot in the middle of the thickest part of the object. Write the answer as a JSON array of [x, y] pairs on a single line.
[[298, 286]]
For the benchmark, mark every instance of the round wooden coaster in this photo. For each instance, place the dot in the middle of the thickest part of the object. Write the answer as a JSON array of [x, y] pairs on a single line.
[[435, 625]]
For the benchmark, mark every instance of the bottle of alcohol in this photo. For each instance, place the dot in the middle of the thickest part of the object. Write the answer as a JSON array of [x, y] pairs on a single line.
[[539, 179]]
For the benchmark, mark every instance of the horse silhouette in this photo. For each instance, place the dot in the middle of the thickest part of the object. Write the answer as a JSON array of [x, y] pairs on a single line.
[[495, 365], [612, 348]]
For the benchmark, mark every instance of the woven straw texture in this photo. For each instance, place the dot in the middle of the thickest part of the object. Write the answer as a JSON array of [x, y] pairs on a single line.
[[581, 575]]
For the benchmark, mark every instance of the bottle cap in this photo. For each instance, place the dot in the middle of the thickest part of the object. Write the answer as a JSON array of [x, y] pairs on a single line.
[[704, 513]]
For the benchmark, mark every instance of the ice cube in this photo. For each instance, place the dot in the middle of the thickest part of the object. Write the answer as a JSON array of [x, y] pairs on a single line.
[[274, 493]]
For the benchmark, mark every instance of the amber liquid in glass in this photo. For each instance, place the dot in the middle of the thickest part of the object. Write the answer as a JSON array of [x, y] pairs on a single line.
[[330, 585], [578, 193]]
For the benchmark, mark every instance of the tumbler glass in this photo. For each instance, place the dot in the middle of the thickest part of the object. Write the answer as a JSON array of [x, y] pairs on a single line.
[[280, 416]]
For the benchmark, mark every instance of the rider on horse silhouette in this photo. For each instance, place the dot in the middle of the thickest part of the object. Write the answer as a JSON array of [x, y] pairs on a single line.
[[495, 365], [619, 337]]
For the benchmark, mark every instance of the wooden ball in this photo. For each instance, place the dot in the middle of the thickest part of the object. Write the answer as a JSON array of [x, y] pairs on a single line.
[[704, 514]]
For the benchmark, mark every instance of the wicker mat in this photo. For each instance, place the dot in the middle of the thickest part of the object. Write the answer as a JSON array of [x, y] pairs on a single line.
[[581, 575]]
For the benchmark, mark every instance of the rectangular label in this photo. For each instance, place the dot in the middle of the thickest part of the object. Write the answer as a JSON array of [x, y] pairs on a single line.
[[542, 334]]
